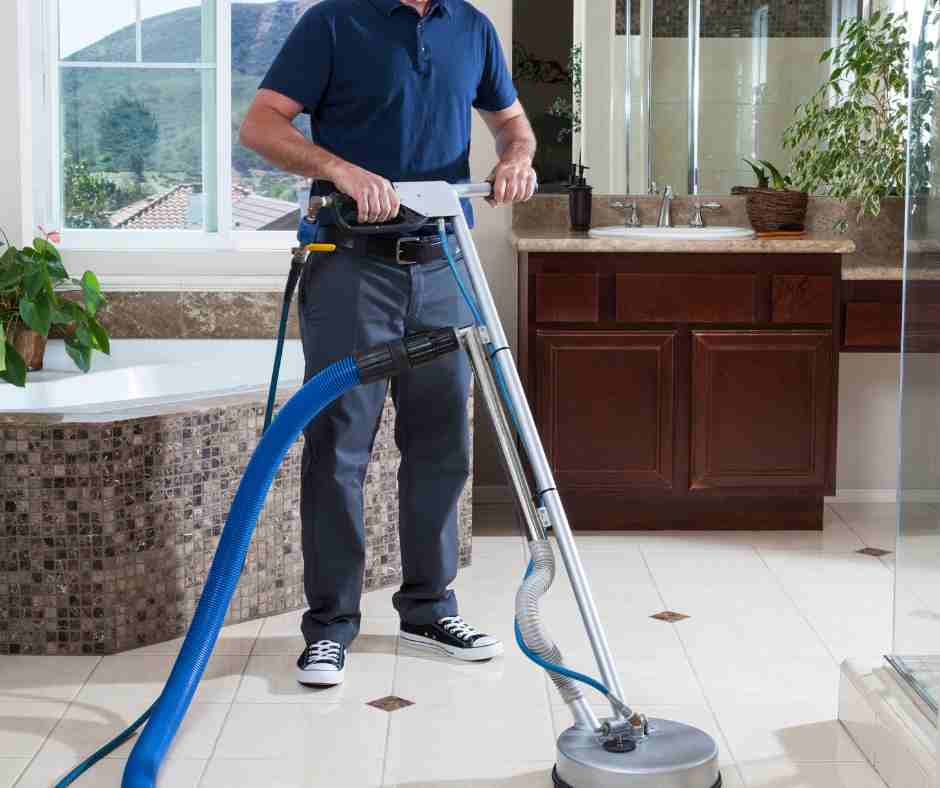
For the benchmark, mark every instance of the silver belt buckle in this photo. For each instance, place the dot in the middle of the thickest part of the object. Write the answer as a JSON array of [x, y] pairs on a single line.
[[398, 243]]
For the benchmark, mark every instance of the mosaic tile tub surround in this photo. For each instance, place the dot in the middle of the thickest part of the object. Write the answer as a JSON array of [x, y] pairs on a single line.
[[108, 529]]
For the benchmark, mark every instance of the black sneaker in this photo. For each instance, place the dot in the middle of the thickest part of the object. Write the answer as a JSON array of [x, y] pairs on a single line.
[[322, 664], [454, 637]]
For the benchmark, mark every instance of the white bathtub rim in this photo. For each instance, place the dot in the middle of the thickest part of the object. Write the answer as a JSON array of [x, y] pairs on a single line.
[[150, 385]]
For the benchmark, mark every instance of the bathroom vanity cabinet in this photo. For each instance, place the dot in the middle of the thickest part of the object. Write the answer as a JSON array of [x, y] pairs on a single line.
[[684, 389]]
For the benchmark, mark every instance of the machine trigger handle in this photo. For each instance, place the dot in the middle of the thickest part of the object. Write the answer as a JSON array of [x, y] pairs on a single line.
[[408, 221]]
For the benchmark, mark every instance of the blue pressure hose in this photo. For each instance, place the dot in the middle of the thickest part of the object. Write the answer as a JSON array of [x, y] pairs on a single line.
[[478, 320], [296, 269]]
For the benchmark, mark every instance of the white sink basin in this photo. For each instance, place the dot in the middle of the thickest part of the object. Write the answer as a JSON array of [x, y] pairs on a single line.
[[674, 233]]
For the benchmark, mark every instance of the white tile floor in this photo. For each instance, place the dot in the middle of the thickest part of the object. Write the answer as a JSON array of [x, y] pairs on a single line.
[[756, 665]]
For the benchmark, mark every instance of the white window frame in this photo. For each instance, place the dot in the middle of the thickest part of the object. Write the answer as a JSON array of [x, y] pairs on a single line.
[[217, 157]]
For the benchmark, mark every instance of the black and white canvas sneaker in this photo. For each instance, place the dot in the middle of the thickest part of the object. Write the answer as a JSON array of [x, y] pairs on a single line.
[[454, 637], [322, 664]]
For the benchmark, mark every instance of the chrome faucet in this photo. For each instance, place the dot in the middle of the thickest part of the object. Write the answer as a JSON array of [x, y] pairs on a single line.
[[631, 219], [665, 208]]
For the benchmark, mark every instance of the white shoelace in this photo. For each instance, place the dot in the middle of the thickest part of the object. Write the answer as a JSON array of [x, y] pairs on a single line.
[[456, 626], [324, 651]]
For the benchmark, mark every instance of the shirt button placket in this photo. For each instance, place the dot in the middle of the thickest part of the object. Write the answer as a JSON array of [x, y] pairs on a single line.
[[422, 50]]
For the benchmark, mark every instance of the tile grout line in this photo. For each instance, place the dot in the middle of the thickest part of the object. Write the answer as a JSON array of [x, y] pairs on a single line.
[[65, 711], [798, 608], [691, 664], [231, 706], [388, 722], [848, 525]]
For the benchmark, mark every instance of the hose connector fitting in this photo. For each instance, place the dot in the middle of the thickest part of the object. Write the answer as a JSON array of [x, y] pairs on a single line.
[[393, 358]]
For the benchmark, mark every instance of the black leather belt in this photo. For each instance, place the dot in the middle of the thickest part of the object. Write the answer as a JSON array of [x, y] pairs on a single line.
[[406, 250]]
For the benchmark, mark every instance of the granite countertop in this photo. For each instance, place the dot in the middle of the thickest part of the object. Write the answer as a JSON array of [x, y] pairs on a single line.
[[542, 240], [872, 246]]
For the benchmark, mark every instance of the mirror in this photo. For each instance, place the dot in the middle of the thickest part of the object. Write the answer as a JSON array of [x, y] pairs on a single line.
[[674, 92]]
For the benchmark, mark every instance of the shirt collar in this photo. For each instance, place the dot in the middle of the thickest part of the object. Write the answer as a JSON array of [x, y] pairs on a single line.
[[388, 6]]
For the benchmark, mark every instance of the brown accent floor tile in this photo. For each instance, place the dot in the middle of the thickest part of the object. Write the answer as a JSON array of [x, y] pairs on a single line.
[[670, 616], [390, 703], [877, 552]]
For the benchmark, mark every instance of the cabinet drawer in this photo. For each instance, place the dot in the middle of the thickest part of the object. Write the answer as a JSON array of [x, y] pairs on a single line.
[[687, 298], [873, 325], [566, 298], [801, 298]]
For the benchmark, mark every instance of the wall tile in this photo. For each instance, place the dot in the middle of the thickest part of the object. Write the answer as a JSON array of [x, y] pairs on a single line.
[[108, 530]]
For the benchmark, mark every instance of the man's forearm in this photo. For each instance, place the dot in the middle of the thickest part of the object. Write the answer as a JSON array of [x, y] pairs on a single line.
[[289, 150], [516, 140]]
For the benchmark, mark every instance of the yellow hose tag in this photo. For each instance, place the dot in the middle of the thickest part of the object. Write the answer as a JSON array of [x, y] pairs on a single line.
[[320, 247]]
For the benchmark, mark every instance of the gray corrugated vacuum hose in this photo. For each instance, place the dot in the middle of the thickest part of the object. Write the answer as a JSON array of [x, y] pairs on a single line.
[[536, 637]]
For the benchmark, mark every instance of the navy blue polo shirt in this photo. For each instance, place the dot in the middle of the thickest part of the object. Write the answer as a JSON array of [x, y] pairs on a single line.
[[390, 91]]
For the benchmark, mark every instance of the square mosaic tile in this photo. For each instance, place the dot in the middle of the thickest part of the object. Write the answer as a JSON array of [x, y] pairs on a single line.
[[735, 19]]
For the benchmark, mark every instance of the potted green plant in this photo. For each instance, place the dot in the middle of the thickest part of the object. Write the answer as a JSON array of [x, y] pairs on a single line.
[[33, 282], [850, 139], [569, 110], [773, 206]]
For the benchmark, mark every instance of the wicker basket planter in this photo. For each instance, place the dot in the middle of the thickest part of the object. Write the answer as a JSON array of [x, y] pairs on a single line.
[[775, 209], [31, 345]]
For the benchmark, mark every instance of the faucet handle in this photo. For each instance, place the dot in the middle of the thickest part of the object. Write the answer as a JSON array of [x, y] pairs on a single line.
[[697, 218], [631, 220], [653, 189], [634, 218]]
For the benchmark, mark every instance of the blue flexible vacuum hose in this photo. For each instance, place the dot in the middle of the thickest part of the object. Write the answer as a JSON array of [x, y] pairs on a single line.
[[165, 716], [167, 713], [174, 701]]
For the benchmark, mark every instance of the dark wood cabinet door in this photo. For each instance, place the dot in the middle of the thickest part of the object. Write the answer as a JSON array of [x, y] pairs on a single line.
[[606, 402], [762, 409]]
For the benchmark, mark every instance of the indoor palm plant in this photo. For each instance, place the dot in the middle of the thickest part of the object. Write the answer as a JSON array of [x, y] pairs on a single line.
[[33, 299], [850, 139]]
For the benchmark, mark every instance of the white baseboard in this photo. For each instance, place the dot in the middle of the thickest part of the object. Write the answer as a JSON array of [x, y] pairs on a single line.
[[863, 496], [500, 493]]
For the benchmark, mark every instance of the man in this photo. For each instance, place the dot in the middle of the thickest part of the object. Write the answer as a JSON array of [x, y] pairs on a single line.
[[389, 86]]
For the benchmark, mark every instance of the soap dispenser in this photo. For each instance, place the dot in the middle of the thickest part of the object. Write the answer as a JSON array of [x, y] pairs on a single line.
[[580, 196]]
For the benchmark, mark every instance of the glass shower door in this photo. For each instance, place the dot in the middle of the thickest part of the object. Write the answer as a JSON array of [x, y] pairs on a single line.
[[917, 563]]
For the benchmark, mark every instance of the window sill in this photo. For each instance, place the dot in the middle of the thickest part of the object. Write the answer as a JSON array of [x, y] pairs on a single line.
[[130, 241]]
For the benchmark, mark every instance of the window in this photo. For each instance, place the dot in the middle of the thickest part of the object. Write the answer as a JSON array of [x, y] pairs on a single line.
[[140, 115]]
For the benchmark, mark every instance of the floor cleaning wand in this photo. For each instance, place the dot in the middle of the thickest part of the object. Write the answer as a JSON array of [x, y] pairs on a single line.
[[624, 750]]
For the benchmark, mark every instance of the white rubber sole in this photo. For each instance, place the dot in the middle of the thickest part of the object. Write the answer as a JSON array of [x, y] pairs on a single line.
[[320, 678], [478, 654]]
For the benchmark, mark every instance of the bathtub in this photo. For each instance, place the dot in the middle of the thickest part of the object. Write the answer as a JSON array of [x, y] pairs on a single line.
[[143, 373], [115, 486]]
